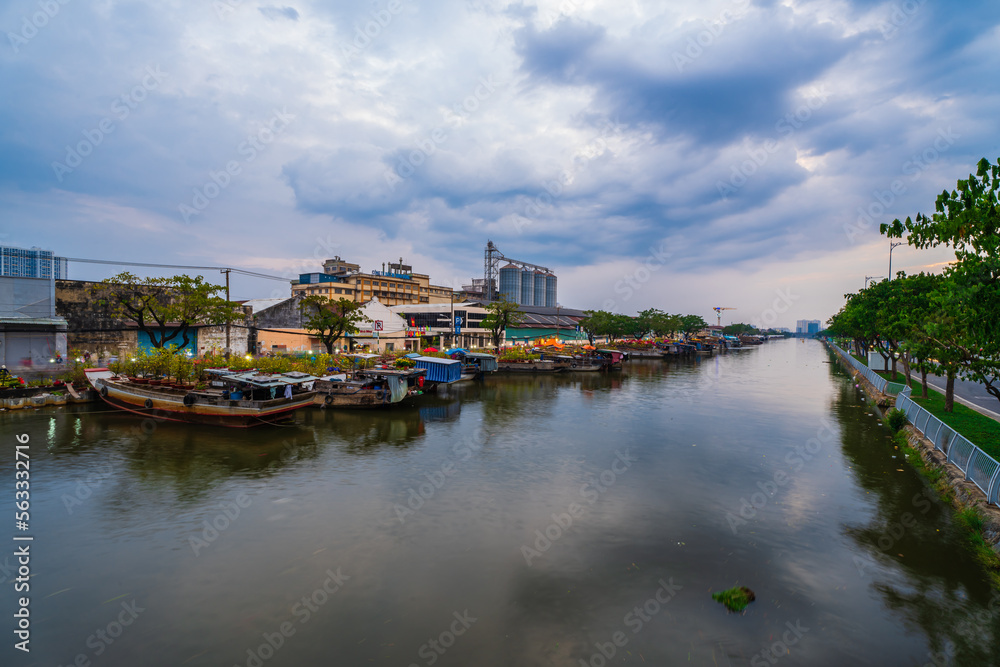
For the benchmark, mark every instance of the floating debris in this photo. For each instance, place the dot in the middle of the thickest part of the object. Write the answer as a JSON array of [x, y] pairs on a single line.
[[736, 598]]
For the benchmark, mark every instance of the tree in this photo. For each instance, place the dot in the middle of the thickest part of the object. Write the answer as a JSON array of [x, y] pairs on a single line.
[[692, 324], [656, 322], [645, 322], [592, 323], [912, 304], [968, 220], [165, 309], [503, 314], [739, 328], [330, 319]]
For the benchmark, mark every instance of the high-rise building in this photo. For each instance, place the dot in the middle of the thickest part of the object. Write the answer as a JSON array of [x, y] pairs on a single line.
[[32, 263], [807, 327]]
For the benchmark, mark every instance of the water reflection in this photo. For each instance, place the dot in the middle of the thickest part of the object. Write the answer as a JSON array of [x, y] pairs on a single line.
[[480, 468], [911, 551]]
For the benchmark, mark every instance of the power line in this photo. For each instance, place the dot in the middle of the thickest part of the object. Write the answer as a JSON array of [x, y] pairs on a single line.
[[177, 266]]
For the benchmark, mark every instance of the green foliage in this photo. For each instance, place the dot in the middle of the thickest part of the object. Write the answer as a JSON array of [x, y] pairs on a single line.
[[649, 322], [330, 319], [691, 324], [895, 419], [165, 308], [736, 598], [966, 328], [739, 328], [502, 314], [978, 428], [517, 354]]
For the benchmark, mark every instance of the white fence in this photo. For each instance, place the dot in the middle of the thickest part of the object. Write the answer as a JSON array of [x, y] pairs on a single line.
[[979, 467]]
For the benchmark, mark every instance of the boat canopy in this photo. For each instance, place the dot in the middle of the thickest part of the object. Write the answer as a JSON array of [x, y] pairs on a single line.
[[486, 362], [440, 370], [264, 379]]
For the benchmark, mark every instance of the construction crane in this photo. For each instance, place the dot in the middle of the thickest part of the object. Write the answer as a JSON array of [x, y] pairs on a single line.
[[718, 311]]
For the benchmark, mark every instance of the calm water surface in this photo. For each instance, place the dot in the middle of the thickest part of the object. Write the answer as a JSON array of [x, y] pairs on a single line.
[[518, 521]]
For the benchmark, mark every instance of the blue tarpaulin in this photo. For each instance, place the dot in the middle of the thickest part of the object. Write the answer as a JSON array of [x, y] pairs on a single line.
[[440, 370]]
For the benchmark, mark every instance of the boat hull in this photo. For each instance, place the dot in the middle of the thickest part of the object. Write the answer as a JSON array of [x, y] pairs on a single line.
[[365, 398], [528, 367], [169, 405]]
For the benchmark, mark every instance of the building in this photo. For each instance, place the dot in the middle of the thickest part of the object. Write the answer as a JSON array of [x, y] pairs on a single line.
[[545, 322], [32, 263], [32, 336], [396, 284], [432, 322], [808, 327], [383, 329], [523, 283], [94, 329]]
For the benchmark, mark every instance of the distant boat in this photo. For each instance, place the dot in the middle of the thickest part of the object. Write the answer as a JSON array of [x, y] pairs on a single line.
[[369, 388], [236, 399], [474, 364], [537, 366]]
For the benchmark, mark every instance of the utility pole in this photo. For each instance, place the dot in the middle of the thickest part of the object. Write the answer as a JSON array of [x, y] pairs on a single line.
[[228, 314], [891, 246]]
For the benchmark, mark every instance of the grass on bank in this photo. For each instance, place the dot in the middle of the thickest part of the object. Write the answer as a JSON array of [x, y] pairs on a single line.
[[981, 430]]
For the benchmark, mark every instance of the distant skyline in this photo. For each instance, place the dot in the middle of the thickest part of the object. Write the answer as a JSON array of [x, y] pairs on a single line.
[[677, 155]]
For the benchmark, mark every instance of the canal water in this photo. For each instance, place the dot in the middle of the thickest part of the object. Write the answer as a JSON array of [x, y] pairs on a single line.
[[564, 520]]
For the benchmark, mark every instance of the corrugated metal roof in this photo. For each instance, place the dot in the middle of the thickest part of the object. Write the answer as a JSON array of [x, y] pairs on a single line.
[[50, 321]]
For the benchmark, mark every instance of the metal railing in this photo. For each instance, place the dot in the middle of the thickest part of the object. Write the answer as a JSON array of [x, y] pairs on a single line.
[[979, 467], [874, 378], [893, 388]]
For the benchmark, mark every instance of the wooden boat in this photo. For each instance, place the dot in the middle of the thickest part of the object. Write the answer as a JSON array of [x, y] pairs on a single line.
[[474, 364], [441, 371], [539, 366], [649, 353], [369, 388], [233, 399], [610, 360], [573, 363]]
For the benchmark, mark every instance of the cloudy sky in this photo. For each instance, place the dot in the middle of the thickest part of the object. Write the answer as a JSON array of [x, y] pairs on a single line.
[[680, 155]]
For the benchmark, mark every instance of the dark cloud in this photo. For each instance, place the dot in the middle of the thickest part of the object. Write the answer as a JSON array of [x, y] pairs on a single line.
[[534, 166], [713, 82]]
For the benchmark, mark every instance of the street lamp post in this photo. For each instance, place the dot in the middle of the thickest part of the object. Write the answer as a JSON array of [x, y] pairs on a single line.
[[891, 246], [872, 278]]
